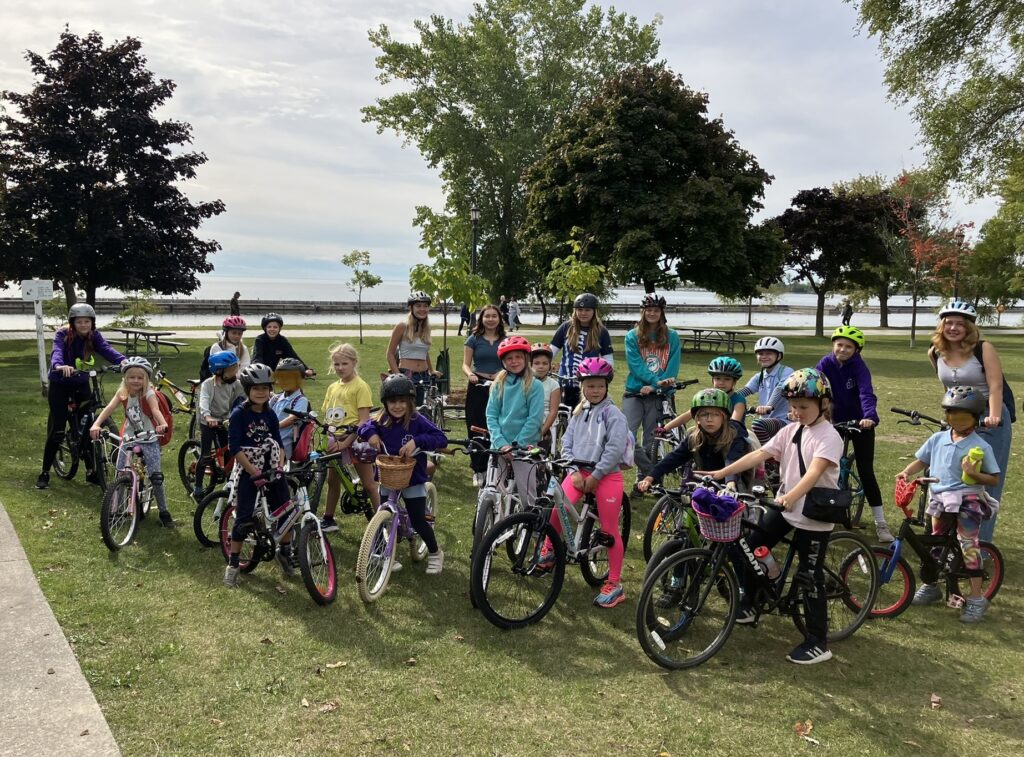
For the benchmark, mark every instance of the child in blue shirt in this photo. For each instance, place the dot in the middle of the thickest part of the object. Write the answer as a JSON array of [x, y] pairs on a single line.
[[955, 502], [289, 375]]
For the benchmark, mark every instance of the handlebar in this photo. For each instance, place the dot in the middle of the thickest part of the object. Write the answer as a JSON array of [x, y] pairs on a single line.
[[916, 417], [848, 426], [143, 438], [312, 417], [662, 391]]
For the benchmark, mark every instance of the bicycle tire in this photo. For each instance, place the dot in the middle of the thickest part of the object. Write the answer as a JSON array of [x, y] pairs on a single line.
[[316, 488], [206, 518], [685, 614], [118, 515], [992, 579], [531, 594], [486, 512], [848, 605], [316, 564], [658, 450], [193, 425], [249, 558], [895, 593], [419, 548], [595, 566], [65, 464], [188, 464], [665, 551], [375, 560], [858, 499], [661, 524]]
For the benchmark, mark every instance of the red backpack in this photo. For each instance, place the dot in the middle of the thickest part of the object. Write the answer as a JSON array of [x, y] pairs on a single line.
[[165, 410], [304, 444]]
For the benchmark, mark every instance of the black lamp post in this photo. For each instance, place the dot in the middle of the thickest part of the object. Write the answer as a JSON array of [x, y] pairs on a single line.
[[474, 216]]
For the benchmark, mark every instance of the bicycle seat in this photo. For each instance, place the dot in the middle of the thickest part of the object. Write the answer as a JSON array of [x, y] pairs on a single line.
[[195, 382]]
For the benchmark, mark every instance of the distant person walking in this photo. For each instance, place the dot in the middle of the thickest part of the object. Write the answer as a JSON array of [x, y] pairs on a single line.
[[847, 313], [464, 319], [503, 308], [513, 314], [235, 310]]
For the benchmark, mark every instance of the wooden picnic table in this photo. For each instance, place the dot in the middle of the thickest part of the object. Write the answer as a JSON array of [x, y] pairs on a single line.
[[147, 342], [719, 340]]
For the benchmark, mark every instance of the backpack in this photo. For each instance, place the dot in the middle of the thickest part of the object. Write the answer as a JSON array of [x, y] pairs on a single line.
[[304, 444], [1008, 400], [165, 410], [204, 368]]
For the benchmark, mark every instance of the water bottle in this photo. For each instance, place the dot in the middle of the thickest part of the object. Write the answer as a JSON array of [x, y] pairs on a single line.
[[975, 455], [180, 396], [767, 560]]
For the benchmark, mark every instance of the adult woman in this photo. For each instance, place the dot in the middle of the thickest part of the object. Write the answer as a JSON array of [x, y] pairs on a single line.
[[652, 354], [583, 335], [409, 348], [480, 364], [962, 358], [75, 347]]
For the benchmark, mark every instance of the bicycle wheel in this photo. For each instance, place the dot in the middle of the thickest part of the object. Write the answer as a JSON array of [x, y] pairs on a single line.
[[249, 557], [896, 582], [661, 524], [594, 566], [850, 589], [665, 551], [854, 485], [686, 611], [316, 487], [118, 517], [65, 464], [505, 583], [419, 549], [193, 425], [188, 464], [657, 451], [992, 575], [376, 556], [486, 513], [206, 518], [316, 563]]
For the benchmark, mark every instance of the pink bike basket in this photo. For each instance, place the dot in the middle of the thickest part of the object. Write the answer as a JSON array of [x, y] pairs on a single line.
[[720, 530]]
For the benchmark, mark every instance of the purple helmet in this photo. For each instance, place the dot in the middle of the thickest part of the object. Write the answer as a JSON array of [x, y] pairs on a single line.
[[594, 367]]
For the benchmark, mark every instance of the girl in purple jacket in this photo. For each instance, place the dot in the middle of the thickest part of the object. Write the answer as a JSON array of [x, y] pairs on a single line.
[[853, 399], [399, 430], [74, 349]]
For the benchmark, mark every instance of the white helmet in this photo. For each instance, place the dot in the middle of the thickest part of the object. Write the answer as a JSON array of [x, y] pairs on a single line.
[[959, 307], [770, 343], [137, 362]]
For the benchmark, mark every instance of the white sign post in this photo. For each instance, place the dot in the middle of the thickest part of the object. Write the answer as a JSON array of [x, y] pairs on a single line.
[[35, 291]]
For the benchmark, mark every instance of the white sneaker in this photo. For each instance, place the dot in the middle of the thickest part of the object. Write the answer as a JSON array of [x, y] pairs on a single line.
[[396, 566], [231, 577], [883, 533], [435, 562], [478, 480]]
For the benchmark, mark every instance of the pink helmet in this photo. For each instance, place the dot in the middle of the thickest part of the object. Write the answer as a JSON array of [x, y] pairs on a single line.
[[595, 367], [234, 322]]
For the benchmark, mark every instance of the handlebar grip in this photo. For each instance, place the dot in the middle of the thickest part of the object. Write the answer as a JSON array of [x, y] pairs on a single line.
[[900, 411]]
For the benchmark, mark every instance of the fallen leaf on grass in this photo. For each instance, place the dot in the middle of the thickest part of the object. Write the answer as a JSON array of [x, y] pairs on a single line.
[[329, 706], [803, 730], [266, 640], [663, 753], [339, 664], [970, 721], [53, 512], [411, 661], [50, 671], [168, 554], [459, 637], [281, 589], [437, 695], [936, 701], [305, 702], [908, 742], [216, 722], [84, 733]]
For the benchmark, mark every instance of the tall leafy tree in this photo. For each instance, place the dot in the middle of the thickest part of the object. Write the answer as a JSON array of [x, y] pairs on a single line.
[[657, 189], [92, 178], [995, 271], [960, 64], [477, 99]]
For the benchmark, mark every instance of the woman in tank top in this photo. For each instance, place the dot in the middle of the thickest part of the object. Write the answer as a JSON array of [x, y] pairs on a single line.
[[409, 348]]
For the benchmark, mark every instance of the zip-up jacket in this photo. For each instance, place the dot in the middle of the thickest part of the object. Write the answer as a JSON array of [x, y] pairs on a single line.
[[513, 417], [710, 459], [598, 433], [67, 354]]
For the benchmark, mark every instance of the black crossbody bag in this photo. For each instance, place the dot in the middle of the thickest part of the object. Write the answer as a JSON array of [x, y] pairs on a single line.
[[823, 503]]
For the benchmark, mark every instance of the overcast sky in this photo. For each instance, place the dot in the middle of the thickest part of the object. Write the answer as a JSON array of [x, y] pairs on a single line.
[[273, 92]]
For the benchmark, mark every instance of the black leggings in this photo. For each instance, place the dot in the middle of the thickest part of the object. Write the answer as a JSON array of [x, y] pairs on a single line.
[[417, 509], [864, 449], [570, 395], [209, 439], [58, 396], [476, 415]]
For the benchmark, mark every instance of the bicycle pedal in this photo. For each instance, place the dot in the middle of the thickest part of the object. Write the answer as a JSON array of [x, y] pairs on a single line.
[[604, 539], [955, 601]]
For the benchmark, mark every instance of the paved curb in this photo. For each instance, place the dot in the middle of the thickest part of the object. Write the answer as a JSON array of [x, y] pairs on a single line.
[[46, 705]]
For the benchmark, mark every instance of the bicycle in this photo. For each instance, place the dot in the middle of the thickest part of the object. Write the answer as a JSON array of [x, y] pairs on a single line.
[[689, 602], [218, 466], [128, 499], [506, 582], [433, 406], [184, 400], [940, 555], [498, 497], [671, 520], [76, 439], [263, 542], [661, 445], [848, 478]]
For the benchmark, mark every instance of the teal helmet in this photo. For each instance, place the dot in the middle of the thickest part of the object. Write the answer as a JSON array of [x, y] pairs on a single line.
[[725, 366]]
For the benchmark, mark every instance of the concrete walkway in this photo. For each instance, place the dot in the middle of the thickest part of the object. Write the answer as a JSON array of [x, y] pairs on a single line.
[[46, 705]]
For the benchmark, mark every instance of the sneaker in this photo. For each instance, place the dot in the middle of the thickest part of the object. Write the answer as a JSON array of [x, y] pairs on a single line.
[[396, 566], [43, 482], [974, 609], [611, 595], [668, 598], [435, 561], [927, 594], [546, 562], [745, 616], [166, 520], [231, 576], [328, 524], [809, 653], [883, 533], [287, 562], [92, 478]]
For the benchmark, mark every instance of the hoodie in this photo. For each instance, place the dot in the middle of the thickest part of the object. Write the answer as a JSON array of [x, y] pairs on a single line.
[[426, 435], [853, 397], [598, 433]]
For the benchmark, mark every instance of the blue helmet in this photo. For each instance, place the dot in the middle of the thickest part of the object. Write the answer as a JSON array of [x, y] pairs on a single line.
[[218, 361]]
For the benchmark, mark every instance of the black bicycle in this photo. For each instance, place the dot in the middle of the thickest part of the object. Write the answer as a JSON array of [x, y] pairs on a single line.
[[657, 447], [76, 443]]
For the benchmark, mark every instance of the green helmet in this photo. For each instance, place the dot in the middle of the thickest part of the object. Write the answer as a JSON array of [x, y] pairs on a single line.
[[710, 398], [807, 383], [725, 366], [852, 333]]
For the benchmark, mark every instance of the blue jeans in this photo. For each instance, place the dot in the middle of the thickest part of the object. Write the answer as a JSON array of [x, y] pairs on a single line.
[[999, 438]]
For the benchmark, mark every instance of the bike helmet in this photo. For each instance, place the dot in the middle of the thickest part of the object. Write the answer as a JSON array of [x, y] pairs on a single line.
[[82, 310], [233, 322], [136, 362], [513, 344], [397, 385], [270, 318], [652, 300], [725, 366], [710, 398], [220, 361], [586, 300], [290, 364], [256, 374], [959, 307], [964, 398], [541, 348], [852, 333], [415, 297], [807, 383], [770, 343], [595, 367]]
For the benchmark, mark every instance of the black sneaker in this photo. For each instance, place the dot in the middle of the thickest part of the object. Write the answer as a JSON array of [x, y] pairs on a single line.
[[745, 616], [328, 524], [92, 478], [43, 482], [809, 653], [166, 520], [288, 562]]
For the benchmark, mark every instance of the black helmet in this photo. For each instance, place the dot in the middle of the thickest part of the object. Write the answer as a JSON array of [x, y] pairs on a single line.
[[269, 318], [586, 300], [290, 364], [397, 385], [256, 374]]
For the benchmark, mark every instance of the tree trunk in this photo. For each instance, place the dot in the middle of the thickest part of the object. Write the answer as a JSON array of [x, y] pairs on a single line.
[[70, 296], [444, 316], [913, 318], [883, 304], [90, 294], [819, 314], [750, 311], [359, 309]]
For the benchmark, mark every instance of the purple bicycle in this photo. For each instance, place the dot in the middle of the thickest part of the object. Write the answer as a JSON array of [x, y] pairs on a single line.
[[127, 500]]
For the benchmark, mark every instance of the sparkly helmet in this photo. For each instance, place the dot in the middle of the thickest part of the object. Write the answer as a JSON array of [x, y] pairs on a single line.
[[807, 383]]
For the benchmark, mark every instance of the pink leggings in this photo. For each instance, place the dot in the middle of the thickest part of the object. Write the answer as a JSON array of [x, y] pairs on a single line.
[[609, 505]]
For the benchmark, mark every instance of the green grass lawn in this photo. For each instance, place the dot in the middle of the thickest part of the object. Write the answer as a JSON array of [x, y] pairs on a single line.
[[182, 665]]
